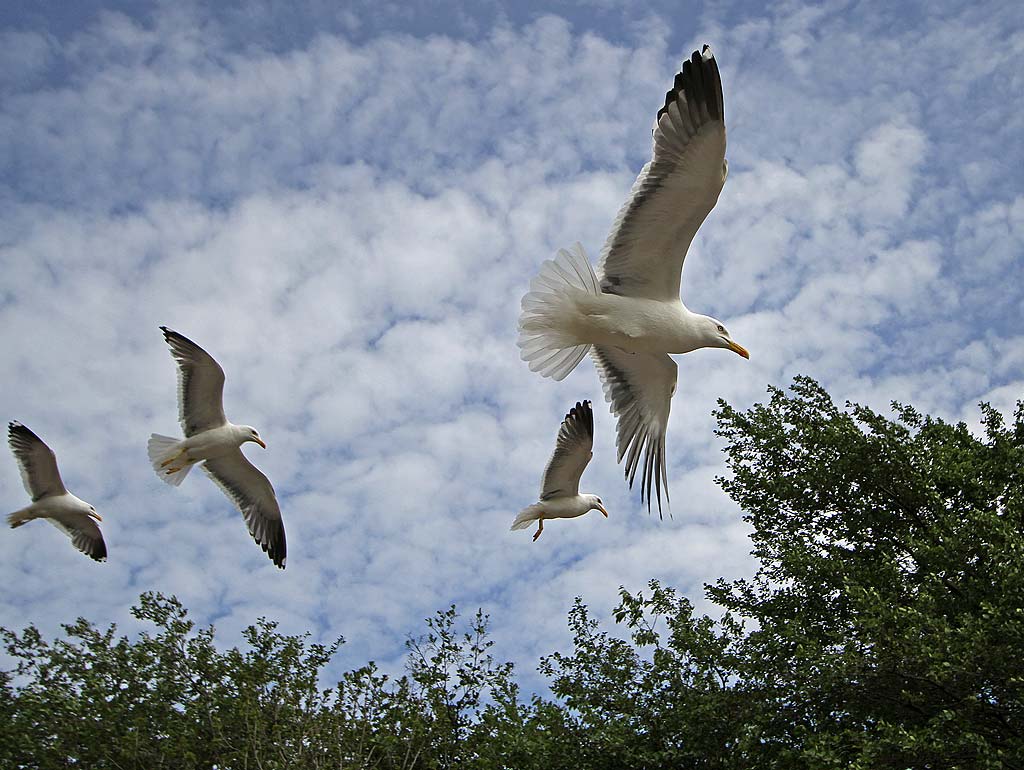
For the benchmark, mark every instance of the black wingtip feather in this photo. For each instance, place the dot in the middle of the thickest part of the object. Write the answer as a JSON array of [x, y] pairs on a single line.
[[585, 414], [16, 432], [277, 547], [170, 336], [697, 68], [701, 83]]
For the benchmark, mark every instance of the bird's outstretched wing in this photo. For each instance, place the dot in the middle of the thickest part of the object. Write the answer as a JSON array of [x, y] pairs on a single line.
[[252, 492], [84, 533], [573, 450], [639, 387], [675, 191], [36, 461], [200, 385]]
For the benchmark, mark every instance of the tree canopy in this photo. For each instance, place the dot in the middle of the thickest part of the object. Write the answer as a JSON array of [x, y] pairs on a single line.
[[884, 627]]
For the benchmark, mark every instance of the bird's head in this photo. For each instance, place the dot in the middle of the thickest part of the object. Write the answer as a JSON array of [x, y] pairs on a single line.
[[253, 435], [93, 514], [596, 504], [715, 335]]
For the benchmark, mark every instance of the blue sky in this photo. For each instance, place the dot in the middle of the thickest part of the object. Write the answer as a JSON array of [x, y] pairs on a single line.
[[345, 207]]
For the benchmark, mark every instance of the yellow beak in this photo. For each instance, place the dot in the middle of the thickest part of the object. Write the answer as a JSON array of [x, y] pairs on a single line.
[[602, 510], [735, 347], [260, 442], [96, 516]]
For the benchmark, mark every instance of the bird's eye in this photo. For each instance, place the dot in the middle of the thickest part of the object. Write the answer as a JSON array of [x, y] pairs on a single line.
[[721, 328]]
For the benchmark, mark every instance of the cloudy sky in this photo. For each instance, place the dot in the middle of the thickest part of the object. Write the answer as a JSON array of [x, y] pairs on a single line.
[[344, 205]]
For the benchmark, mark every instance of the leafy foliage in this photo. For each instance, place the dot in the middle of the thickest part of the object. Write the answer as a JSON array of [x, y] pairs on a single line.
[[884, 628], [172, 699]]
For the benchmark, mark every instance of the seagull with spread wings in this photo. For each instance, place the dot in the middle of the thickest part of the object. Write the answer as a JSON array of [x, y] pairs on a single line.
[[211, 438], [628, 314], [560, 496], [50, 500]]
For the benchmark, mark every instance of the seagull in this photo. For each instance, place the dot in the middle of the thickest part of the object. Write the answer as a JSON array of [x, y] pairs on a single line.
[[560, 496], [628, 314], [210, 437], [50, 500]]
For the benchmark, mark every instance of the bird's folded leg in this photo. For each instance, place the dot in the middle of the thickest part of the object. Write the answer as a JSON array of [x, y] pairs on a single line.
[[170, 460], [540, 528]]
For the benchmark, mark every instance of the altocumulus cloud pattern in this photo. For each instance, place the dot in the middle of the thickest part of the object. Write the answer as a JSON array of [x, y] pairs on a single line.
[[346, 207]]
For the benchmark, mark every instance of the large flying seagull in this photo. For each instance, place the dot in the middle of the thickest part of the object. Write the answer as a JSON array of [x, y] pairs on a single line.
[[628, 314]]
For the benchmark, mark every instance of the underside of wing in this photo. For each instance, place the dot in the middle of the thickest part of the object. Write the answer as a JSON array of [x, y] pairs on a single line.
[[675, 191], [84, 533], [573, 450], [36, 461], [252, 492], [200, 385], [639, 387]]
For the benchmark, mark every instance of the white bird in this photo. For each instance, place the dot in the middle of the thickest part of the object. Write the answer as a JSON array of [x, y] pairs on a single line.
[[50, 500], [211, 438], [560, 496], [629, 312]]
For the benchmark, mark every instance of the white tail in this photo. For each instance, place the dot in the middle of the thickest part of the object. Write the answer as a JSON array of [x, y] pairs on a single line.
[[527, 516], [18, 518], [161, 450], [544, 340]]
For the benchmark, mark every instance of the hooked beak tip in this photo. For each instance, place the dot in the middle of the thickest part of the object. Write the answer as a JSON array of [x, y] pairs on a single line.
[[260, 442], [737, 348]]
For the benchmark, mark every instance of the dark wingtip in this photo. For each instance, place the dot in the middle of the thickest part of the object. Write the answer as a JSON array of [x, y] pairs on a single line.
[[697, 78], [583, 411], [277, 548], [16, 429]]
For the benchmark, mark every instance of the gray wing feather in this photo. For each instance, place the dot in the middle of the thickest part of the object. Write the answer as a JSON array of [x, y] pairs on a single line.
[[200, 385], [639, 387], [254, 495], [84, 533], [36, 461], [643, 255], [573, 450]]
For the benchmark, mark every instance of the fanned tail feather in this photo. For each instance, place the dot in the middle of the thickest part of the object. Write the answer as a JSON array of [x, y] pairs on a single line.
[[527, 516], [544, 341], [164, 448], [18, 518]]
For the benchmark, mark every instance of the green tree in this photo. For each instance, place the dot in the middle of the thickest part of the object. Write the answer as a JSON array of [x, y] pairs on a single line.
[[890, 600], [172, 699], [884, 627]]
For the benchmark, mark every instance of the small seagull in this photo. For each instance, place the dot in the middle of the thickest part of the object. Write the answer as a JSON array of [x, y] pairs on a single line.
[[210, 437], [50, 500], [559, 491]]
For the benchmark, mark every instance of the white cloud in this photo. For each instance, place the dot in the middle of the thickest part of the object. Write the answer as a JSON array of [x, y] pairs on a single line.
[[349, 226]]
